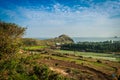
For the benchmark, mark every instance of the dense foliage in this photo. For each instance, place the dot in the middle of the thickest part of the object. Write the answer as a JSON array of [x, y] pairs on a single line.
[[30, 42], [10, 35], [106, 46], [20, 66], [25, 67]]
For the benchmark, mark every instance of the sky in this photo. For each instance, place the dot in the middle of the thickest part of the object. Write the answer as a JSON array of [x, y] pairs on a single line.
[[51, 18]]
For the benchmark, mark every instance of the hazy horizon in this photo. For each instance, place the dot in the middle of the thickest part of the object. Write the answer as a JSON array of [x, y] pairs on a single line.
[[84, 39], [72, 37], [51, 18]]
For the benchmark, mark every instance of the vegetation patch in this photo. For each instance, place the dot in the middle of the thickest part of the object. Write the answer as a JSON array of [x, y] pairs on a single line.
[[34, 47], [104, 56], [102, 47], [17, 68]]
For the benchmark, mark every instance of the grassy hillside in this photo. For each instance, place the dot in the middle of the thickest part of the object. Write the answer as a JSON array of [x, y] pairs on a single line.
[[27, 67], [62, 39], [57, 65]]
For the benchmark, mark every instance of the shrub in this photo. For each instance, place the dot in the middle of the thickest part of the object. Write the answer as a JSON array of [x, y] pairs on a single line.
[[99, 61], [59, 54], [42, 72], [56, 64], [56, 76], [68, 70], [17, 69], [10, 35]]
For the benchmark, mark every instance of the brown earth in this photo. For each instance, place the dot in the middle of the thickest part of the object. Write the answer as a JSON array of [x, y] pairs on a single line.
[[81, 71], [62, 65]]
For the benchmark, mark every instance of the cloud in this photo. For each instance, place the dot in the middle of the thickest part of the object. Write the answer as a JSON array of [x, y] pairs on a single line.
[[77, 20]]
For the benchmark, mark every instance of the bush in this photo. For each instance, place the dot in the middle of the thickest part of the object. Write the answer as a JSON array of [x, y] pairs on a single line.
[[10, 35], [56, 64], [17, 69], [42, 72], [68, 70], [59, 55], [99, 61]]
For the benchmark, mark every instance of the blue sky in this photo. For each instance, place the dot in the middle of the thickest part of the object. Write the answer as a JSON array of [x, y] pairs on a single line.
[[76, 18]]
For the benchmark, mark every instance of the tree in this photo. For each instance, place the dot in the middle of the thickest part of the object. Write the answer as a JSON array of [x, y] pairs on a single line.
[[10, 35]]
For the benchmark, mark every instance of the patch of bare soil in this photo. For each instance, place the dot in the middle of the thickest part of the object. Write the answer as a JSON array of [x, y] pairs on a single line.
[[84, 72], [58, 70]]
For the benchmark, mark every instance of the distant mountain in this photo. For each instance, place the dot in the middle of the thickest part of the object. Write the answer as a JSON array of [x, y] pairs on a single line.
[[62, 39], [65, 37]]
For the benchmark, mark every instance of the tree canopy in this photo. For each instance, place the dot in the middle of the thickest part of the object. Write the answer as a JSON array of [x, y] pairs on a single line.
[[10, 35], [106, 46]]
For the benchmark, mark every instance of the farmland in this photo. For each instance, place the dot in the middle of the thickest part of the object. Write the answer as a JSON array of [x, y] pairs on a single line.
[[34, 47], [106, 56], [66, 65], [76, 65]]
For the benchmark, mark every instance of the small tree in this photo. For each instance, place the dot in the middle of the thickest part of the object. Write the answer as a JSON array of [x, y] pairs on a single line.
[[10, 35]]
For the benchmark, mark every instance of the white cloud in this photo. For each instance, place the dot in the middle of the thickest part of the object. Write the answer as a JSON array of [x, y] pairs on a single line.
[[83, 21]]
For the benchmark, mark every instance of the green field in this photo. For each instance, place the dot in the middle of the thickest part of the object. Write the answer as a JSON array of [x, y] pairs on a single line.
[[106, 56], [34, 47]]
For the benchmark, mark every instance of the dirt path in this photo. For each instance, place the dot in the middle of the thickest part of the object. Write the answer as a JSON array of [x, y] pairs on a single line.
[[98, 74], [58, 70]]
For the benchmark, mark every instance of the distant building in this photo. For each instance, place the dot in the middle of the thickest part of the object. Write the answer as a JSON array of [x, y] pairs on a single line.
[[58, 45]]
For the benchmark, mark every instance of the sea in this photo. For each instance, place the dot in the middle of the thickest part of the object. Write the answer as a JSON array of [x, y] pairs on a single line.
[[91, 39], [95, 39]]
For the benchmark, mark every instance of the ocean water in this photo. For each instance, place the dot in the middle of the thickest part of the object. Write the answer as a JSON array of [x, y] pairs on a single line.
[[90, 39], [94, 39]]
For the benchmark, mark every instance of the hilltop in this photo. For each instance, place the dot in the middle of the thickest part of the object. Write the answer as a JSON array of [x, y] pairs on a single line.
[[62, 39]]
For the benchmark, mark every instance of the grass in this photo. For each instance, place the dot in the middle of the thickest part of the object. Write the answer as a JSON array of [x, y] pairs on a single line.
[[27, 67], [106, 56], [34, 47], [87, 63], [21, 67]]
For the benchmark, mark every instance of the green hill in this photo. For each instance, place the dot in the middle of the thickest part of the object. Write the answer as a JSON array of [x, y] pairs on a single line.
[[62, 39]]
